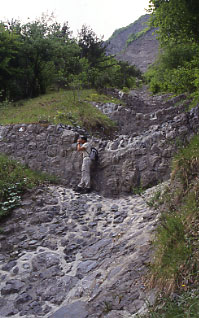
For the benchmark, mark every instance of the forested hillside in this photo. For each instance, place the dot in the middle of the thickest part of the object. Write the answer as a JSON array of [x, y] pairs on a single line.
[[43, 54]]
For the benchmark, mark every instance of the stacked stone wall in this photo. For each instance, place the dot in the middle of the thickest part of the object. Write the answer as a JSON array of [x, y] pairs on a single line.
[[46, 148], [124, 163]]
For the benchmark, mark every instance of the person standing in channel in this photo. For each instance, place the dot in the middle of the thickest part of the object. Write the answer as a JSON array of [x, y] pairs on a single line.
[[85, 184]]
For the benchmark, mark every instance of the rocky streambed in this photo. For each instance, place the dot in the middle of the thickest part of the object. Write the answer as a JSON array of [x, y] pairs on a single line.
[[65, 255]]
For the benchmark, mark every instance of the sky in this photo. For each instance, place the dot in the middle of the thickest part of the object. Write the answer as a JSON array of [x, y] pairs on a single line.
[[103, 16]]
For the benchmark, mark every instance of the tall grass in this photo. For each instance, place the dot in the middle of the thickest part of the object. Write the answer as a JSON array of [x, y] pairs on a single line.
[[176, 255], [175, 267], [184, 306], [64, 107]]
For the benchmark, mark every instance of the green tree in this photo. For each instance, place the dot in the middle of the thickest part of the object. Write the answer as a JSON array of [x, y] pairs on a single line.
[[9, 48], [113, 73], [39, 55], [92, 47], [176, 69], [43, 53], [177, 20], [47, 55]]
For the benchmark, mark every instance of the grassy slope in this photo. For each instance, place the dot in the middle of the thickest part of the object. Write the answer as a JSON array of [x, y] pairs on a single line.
[[64, 107], [175, 268]]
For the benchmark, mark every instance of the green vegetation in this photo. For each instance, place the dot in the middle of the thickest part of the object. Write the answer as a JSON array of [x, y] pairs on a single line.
[[175, 267], [155, 200], [134, 36], [15, 179], [120, 30], [66, 107], [177, 68], [137, 190], [177, 20], [184, 306], [43, 54], [107, 307]]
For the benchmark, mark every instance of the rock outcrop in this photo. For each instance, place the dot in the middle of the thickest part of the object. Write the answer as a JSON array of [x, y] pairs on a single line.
[[117, 41], [141, 52]]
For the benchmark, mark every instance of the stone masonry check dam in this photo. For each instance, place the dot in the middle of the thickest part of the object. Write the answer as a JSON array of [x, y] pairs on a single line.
[[65, 255]]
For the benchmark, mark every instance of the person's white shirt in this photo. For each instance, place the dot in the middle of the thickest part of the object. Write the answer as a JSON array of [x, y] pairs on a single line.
[[87, 149]]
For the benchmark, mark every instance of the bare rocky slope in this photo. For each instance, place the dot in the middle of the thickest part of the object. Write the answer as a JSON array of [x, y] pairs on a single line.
[[142, 52]]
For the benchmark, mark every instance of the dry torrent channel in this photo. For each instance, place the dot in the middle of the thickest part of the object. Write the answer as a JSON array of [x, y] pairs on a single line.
[[65, 255]]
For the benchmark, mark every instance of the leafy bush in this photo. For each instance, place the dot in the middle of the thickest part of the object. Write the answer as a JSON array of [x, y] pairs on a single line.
[[14, 180], [40, 55], [176, 70]]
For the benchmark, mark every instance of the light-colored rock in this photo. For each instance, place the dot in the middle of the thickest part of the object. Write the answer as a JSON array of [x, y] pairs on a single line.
[[75, 310]]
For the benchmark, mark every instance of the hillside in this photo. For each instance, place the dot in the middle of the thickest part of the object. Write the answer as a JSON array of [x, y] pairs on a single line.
[[87, 255], [128, 247], [135, 43]]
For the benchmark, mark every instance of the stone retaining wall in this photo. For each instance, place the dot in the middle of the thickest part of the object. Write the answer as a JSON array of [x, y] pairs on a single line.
[[125, 163], [47, 148]]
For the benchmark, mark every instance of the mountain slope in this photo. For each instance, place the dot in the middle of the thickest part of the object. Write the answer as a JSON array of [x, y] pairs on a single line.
[[136, 44]]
